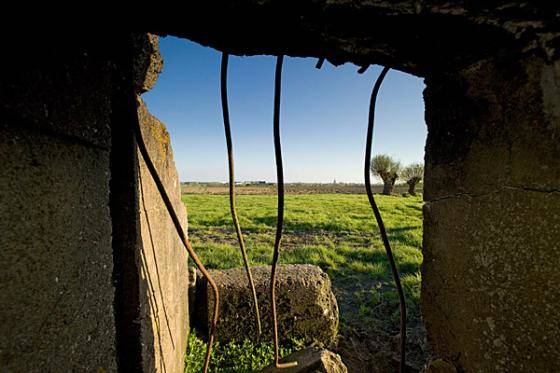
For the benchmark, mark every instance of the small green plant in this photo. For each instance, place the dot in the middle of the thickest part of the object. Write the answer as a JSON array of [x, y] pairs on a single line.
[[238, 357], [196, 350]]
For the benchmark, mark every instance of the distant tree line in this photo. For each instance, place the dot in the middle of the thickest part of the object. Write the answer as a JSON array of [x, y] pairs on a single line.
[[390, 171]]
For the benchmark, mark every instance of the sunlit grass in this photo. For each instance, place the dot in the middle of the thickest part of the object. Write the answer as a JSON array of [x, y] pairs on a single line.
[[328, 230], [334, 231]]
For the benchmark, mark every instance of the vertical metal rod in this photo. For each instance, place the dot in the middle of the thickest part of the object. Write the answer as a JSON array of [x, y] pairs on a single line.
[[280, 219], [184, 239], [232, 205], [379, 219]]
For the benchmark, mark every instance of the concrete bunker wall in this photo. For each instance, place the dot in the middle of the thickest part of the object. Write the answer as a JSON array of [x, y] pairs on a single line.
[[158, 263], [492, 216], [76, 242], [93, 275], [164, 304], [56, 258]]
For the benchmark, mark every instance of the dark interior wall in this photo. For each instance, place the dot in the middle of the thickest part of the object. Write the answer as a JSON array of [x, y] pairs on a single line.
[[92, 272], [420, 38], [490, 281], [56, 258]]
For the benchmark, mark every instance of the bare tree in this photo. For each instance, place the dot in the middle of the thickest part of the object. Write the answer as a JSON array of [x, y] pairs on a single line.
[[387, 169], [413, 174]]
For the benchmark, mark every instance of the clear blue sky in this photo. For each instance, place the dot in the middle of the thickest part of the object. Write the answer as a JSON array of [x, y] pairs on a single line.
[[323, 116]]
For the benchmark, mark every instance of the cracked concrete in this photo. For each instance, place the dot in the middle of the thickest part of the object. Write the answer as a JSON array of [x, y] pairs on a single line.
[[499, 190], [491, 288], [492, 218]]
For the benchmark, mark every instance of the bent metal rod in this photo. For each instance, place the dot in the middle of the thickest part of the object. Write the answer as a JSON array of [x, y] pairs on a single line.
[[232, 205], [280, 219], [382, 230]]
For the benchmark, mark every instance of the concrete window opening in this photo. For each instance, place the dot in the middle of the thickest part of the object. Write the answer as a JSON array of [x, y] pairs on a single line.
[[88, 284], [199, 142]]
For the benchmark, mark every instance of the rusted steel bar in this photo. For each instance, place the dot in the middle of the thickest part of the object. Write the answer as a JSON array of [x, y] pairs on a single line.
[[320, 63], [184, 239], [232, 205], [363, 69], [280, 220], [384, 238]]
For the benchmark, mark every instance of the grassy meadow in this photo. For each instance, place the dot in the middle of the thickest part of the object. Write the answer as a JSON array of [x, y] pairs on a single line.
[[338, 233]]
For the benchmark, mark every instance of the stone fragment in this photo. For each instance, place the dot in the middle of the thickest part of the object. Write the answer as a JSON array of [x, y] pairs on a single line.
[[306, 306], [148, 62], [311, 360]]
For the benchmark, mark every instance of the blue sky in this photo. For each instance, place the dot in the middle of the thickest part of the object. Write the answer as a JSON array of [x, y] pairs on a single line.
[[323, 116]]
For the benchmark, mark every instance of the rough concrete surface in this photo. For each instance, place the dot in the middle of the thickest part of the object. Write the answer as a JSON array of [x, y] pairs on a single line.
[[440, 366], [306, 306], [490, 290], [491, 286], [148, 62], [311, 360], [55, 230], [419, 37], [57, 147], [163, 258], [56, 256], [66, 94]]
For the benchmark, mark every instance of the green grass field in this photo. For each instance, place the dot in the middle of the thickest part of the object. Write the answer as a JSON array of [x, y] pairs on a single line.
[[338, 233]]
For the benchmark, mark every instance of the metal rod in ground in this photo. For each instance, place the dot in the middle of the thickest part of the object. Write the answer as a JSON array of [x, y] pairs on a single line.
[[280, 220], [384, 238], [232, 204]]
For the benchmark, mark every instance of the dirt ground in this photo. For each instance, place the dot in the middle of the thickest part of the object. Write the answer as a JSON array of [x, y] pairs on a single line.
[[296, 188]]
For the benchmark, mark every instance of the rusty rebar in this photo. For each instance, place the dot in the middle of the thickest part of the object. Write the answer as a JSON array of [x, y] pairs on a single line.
[[184, 239], [280, 219], [363, 69], [384, 238], [232, 204]]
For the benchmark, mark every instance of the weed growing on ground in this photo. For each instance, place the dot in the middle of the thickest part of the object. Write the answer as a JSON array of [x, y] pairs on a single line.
[[244, 356]]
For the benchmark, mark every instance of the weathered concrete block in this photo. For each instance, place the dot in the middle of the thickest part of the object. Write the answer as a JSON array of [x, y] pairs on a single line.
[[164, 282], [311, 360], [306, 306]]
